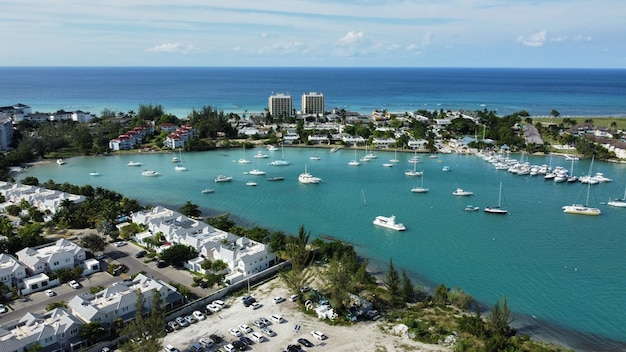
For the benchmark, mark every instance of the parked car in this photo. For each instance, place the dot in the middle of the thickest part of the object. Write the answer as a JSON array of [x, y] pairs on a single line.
[[248, 301], [304, 342], [234, 332], [198, 315], [219, 303], [278, 299], [264, 321], [120, 243], [293, 298], [196, 347], [213, 308], [100, 256], [215, 338], [305, 289], [161, 264], [277, 318], [245, 328], [74, 284], [174, 325], [240, 346], [206, 342], [256, 305], [294, 348], [229, 347], [257, 337], [318, 335], [182, 322], [50, 293], [246, 340], [203, 284], [190, 319], [124, 268], [258, 323], [269, 332], [3, 308], [169, 328], [141, 254], [170, 348]]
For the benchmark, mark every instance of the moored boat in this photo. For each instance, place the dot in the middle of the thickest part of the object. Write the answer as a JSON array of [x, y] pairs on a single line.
[[134, 163], [208, 190], [223, 178], [307, 178], [60, 161], [389, 222], [150, 173], [461, 192]]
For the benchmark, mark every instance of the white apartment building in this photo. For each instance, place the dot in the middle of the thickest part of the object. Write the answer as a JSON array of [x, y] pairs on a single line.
[[280, 105], [242, 255], [118, 301], [55, 331], [62, 254], [41, 198], [11, 271], [313, 103]]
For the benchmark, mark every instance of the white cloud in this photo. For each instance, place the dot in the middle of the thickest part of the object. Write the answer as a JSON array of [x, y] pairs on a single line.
[[352, 38], [533, 39], [172, 48], [583, 38]]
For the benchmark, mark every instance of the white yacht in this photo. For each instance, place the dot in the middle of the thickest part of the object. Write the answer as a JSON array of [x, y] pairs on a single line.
[[413, 172], [149, 173], [250, 183], [223, 178], [257, 172], [619, 203], [461, 192], [272, 148], [180, 167], [94, 173], [306, 177], [134, 163], [60, 161], [208, 190], [389, 222], [581, 209], [260, 155]]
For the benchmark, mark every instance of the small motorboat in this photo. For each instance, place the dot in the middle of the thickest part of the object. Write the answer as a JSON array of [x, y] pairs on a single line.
[[208, 190], [471, 208]]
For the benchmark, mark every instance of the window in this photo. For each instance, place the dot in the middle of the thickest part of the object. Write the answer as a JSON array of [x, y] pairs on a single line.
[[55, 263]]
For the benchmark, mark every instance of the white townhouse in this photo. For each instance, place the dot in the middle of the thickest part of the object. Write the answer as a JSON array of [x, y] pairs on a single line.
[[383, 143], [318, 139], [352, 140], [11, 271], [243, 256], [47, 258], [118, 301], [45, 200], [55, 331], [417, 144]]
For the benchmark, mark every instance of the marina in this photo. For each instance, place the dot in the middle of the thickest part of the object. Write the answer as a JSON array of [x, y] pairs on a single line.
[[540, 241]]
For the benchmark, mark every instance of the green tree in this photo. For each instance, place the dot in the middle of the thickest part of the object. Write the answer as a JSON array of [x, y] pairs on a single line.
[[191, 210], [441, 294], [93, 242], [30, 181], [92, 331], [177, 254], [221, 222], [499, 319], [55, 305], [555, 113], [392, 283], [407, 289]]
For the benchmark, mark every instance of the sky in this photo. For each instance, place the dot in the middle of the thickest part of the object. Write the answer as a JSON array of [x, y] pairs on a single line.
[[314, 33]]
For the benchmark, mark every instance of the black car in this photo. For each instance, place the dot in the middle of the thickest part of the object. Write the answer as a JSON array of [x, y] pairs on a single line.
[[215, 338], [124, 268], [248, 301], [168, 329], [240, 346], [141, 254], [204, 284], [305, 342], [246, 340], [294, 348], [161, 264]]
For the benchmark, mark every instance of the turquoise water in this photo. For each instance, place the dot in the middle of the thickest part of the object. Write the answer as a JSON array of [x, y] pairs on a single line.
[[560, 273]]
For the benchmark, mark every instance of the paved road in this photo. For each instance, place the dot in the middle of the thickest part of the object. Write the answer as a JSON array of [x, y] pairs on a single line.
[[37, 302]]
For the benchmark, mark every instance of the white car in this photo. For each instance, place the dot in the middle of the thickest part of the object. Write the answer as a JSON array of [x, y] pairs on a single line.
[[277, 318], [318, 335], [3, 308], [120, 243], [50, 293], [190, 319], [293, 298], [245, 328], [256, 305], [206, 342], [219, 303], [234, 332], [199, 315], [229, 348], [213, 308], [73, 284], [278, 299]]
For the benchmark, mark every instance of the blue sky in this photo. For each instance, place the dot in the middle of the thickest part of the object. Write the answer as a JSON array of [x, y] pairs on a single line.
[[422, 33]]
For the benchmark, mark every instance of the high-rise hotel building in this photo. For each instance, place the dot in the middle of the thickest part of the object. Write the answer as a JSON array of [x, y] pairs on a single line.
[[313, 103], [280, 105]]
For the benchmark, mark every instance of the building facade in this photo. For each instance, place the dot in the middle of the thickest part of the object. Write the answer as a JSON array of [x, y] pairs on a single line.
[[313, 103], [280, 105]]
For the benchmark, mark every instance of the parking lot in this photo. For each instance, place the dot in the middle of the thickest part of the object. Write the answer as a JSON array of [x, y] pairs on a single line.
[[363, 336]]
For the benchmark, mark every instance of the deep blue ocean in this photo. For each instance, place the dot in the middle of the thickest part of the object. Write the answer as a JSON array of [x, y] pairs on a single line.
[[572, 92], [563, 275]]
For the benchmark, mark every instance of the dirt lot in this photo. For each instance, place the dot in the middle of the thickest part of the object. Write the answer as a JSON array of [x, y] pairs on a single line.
[[363, 336]]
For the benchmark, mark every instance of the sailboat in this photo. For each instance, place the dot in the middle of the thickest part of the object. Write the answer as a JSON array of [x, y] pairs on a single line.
[[243, 160], [497, 210], [414, 172], [180, 166], [307, 178], [354, 161], [257, 171], [282, 161], [620, 203], [420, 189], [395, 156], [583, 209], [365, 157]]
